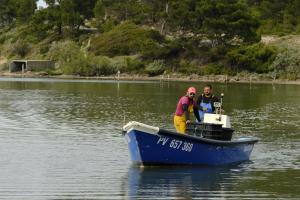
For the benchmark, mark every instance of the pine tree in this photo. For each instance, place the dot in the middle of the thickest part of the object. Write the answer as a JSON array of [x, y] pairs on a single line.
[[225, 21]]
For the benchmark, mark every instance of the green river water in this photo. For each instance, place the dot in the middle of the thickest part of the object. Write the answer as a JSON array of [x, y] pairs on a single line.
[[61, 139]]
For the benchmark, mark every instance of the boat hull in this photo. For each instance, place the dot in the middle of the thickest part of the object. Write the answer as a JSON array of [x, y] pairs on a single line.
[[170, 148]]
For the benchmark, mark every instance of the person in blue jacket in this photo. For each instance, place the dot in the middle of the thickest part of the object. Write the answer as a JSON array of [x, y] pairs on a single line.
[[205, 101]]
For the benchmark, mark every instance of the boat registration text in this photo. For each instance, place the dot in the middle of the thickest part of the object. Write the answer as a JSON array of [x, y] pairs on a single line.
[[175, 144]]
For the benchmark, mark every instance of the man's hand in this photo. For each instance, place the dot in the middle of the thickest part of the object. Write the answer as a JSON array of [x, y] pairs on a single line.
[[204, 109]]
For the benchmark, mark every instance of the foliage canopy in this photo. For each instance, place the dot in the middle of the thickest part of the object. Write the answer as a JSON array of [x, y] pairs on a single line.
[[183, 35]]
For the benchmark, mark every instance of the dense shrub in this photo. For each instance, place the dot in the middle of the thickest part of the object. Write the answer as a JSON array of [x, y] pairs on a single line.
[[208, 54], [102, 66], [167, 50], [133, 64], [108, 25], [253, 58], [79, 65], [20, 48], [3, 66], [44, 49], [125, 39], [189, 70], [71, 59], [63, 51], [2, 38], [287, 63], [210, 69], [156, 68], [214, 69], [106, 65], [186, 67], [89, 65]]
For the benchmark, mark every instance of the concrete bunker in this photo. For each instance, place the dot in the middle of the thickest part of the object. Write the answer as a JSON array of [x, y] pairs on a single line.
[[30, 65]]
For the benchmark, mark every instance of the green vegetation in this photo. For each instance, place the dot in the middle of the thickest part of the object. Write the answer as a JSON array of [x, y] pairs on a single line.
[[253, 58], [102, 37], [286, 64], [156, 68], [126, 39]]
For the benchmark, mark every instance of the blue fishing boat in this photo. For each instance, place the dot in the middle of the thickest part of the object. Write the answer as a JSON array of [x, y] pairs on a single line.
[[207, 143]]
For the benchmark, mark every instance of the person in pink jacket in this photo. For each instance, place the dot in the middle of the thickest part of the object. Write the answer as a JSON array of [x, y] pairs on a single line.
[[185, 107]]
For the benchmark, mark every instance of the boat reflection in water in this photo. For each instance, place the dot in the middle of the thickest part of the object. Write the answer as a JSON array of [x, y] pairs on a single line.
[[178, 182]]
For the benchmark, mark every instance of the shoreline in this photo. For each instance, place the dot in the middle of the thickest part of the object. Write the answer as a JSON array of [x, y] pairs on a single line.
[[163, 78]]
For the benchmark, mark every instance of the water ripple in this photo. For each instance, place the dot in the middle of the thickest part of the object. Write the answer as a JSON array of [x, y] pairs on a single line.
[[62, 140]]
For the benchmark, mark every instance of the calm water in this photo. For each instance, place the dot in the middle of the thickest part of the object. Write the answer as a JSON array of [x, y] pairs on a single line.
[[61, 139]]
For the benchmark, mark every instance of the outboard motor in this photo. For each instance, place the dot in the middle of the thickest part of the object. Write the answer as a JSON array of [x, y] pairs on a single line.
[[214, 126], [218, 118]]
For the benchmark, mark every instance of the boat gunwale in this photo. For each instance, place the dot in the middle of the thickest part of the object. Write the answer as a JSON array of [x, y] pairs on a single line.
[[140, 127], [247, 140]]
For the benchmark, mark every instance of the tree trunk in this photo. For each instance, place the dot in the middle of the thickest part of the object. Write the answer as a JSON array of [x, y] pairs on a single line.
[[162, 27], [105, 15], [164, 20]]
